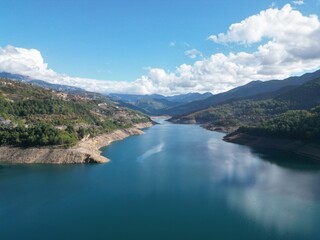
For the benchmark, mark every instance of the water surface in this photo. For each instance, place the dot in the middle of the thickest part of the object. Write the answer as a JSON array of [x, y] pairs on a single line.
[[173, 182]]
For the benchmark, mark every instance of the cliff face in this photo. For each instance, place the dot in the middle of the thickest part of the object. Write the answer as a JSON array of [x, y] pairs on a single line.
[[86, 151], [309, 150]]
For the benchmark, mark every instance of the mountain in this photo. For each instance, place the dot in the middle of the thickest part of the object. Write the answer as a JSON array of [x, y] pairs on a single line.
[[296, 130], [41, 83], [70, 90], [13, 76], [305, 96], [55, 87], [35, 116], [189, 97], [254, 88], [152, 104], [155, 104], [254, 110], [131, 98]]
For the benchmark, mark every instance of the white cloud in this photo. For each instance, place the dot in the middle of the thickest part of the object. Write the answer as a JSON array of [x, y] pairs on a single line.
[[29, 62], [273, 23], [193, 53], [298, 2], [289, 44], [24, 61]]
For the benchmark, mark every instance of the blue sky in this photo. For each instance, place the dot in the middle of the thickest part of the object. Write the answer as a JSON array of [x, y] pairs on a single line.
[[121, 39]]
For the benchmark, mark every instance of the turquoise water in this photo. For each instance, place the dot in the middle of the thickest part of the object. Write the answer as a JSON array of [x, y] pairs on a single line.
[[173, 182]]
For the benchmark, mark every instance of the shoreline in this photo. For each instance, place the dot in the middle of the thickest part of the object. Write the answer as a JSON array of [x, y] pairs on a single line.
[[209, 127], [310, 150], [85, 151], [222, 129]]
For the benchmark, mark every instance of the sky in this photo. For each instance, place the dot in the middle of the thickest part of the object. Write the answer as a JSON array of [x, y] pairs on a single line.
[[160, 46]]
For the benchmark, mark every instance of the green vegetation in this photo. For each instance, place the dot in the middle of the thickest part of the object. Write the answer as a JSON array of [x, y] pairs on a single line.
[[296, 124], [242, 112], [40, 134], [32, 116], [286, 113]]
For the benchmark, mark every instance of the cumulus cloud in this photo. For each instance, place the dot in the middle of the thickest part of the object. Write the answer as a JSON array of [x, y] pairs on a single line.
[[30, 62], [273, 23], [24, 61], [288, 44], [193, 53]]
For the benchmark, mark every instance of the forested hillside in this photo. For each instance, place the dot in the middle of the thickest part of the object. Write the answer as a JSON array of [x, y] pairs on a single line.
[[34, 116], [296, 124], [288, 112]]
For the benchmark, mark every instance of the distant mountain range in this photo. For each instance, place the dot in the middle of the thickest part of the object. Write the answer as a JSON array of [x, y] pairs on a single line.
[[296, 94], [257, 113], [184, 104], [155, 104], [254, 88]]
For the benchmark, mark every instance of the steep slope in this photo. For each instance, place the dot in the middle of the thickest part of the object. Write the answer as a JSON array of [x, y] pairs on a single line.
[[253, 110], [70, 90], [251, 89], [305, 96], [34, 116]]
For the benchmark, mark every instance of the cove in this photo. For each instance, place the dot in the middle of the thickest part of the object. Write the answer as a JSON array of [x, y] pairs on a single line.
[[173, 182]]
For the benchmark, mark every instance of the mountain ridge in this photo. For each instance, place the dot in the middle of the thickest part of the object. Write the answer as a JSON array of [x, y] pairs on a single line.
[[250, 89], [274, 113]]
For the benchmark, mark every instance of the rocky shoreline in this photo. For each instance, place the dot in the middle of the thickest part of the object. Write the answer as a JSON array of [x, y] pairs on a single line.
[[86, 151], [309, 150]]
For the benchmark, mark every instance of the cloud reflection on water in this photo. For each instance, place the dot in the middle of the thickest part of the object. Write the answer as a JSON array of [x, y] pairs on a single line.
[[274, 196]]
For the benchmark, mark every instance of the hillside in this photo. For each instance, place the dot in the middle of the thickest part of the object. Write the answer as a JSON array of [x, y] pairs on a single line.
[[255, 88], [294, 124], [302, 124], [34, 116], [69, 90], [41, 83], [305, 96], [155, 104], [256, 110]]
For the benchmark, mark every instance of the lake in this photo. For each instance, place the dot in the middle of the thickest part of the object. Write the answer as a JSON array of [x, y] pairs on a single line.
[[173, 182]]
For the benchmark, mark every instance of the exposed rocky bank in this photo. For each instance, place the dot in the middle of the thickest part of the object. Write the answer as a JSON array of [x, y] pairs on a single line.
[[86, 151]]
